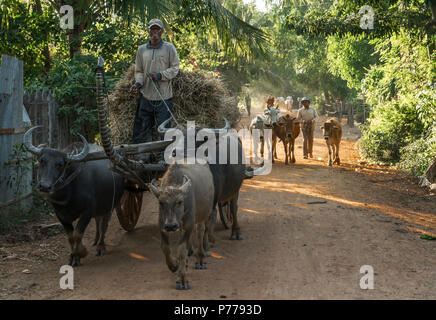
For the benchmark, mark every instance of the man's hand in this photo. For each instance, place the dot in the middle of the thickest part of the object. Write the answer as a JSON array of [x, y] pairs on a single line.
[[155, 76], [134, 89]]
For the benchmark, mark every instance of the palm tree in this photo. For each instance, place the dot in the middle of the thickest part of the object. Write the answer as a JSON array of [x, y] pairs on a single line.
[[235, 34]]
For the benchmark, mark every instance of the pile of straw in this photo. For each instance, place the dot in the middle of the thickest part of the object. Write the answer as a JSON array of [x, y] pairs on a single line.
[[197, 97]]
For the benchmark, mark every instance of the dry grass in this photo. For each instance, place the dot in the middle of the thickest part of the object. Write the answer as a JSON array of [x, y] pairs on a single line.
[[198, 97]]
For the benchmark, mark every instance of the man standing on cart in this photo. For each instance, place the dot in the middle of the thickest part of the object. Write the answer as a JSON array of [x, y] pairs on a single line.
[[156, 65]]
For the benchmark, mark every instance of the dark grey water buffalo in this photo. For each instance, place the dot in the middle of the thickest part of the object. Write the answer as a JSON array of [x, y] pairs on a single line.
[[227, 175], [186, 202], [77, 191]]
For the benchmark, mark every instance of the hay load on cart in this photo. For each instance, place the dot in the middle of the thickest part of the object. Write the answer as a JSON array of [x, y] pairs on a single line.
[[197, 97]]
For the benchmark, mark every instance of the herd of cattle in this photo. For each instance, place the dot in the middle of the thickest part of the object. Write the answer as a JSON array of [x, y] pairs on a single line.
[[188, 194], [287, 128]]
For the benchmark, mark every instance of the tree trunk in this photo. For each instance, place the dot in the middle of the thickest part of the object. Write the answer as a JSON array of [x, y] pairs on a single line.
[[326, 97], [75, 39], [431, 29], [45, 51], [350, 118]]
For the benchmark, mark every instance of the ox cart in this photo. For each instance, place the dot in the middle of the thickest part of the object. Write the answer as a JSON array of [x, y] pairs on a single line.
[[137, 174]]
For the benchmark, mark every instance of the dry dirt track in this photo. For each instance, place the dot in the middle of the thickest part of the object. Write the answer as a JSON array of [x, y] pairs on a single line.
[[291, 249]]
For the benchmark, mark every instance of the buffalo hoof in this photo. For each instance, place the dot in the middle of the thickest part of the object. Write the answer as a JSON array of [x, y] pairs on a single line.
[[101, 250], [236, 237], [190, 252], [174, 269], [82, 252], [179, 286], [293, 160], [330, 164], [199, 266], [74, 260]]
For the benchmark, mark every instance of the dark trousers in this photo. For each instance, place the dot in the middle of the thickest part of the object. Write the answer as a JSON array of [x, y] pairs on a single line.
[[149, 114]]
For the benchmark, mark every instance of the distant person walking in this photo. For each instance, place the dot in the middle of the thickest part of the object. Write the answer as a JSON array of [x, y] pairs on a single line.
[[308, 116], [270, 102], [248, 103]]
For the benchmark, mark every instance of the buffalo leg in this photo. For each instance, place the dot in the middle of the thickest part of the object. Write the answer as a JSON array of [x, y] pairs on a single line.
[[165, 246], [69, 230], [262, 146], [79, 250], [291, 150], [102, 227], [208, 234], [211, 228], [200, 230], [333, 153], [236, 230], [97, 230], [286, 151], [337, 160], [330, 154], [274, 141], [182, 254]]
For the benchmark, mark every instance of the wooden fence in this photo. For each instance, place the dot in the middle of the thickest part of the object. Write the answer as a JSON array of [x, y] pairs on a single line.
[[42, 108], [15, 182], [19, 110]]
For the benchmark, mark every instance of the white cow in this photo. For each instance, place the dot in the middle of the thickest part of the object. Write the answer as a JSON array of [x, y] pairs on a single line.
[[281, 102]]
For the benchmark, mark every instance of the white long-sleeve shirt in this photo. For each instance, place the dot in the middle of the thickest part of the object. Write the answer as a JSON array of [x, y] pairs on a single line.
[[307, 114], [164, 60]]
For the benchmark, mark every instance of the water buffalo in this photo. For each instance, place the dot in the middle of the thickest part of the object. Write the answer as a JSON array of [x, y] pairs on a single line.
[[227, 176], [186, 202], [77, 191]]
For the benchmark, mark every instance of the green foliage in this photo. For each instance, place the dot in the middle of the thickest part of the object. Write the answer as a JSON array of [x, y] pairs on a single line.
[[19, 164], [73, 82], [342, 18], [416, 156], [25, 33], [403, 105], [116, 41], [349, 57]]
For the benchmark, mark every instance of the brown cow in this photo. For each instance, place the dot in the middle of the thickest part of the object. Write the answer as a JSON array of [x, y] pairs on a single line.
[[287, 130], [332, 131]]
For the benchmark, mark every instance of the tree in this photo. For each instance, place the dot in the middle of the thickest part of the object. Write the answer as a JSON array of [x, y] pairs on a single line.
[[235, 34]]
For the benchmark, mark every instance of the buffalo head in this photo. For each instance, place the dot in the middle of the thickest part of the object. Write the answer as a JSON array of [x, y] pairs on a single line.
[[52, 163], [171, 204]]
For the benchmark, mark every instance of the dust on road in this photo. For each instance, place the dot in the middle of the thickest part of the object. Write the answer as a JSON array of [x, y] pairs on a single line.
[[292, 248]]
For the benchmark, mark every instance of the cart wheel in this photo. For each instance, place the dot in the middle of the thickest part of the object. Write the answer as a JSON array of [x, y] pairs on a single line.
[[129, 209], [225, 214]]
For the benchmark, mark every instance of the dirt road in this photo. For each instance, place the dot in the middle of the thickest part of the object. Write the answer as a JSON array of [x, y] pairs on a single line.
[[292, 249]]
